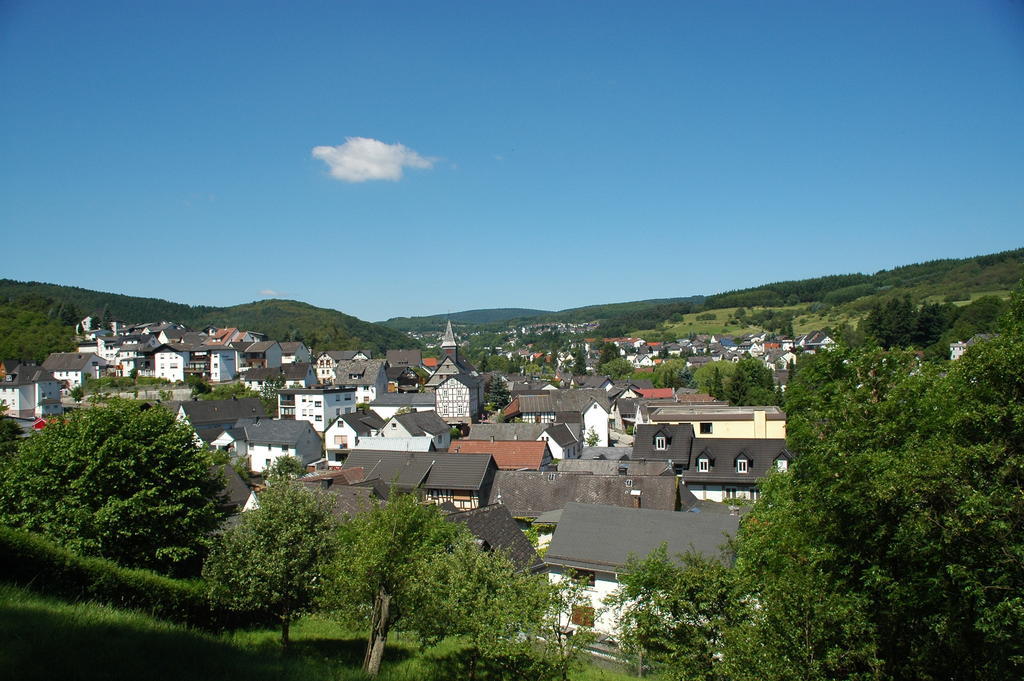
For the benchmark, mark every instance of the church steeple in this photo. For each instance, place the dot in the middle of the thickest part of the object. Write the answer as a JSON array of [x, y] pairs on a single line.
[[448, 345]]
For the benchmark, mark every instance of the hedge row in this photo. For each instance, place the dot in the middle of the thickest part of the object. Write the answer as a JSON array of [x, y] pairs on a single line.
[[40, 565]]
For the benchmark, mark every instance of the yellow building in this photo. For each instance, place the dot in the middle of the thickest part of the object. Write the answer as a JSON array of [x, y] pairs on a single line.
[[715, 420]]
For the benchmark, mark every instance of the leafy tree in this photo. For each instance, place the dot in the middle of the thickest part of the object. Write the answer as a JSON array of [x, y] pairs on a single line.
[[268, 394], [121, 481], [198, 385], [676, 611], [275, 559], [609, 351], [480, 597], [592, 438], [285, 468], [751, 383], [382, 555], [225, 391], [10, 434], [618, 368], [77, 393], [498, 395], [579, 364], [896, 540], [673, 374]]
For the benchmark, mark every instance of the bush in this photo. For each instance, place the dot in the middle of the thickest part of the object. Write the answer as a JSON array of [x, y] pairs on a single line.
[[36, 563]]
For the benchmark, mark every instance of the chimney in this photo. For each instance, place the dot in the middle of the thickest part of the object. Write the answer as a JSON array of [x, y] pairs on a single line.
[[492, 438]]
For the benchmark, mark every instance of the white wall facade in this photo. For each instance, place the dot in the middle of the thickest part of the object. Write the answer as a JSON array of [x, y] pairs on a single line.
[[223, 364], [596, 417], [170, 364]]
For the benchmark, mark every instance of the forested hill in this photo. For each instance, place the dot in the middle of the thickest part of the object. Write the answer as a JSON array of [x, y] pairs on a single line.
[[634, 314], [437, 321], [950, 277], [280, 319]]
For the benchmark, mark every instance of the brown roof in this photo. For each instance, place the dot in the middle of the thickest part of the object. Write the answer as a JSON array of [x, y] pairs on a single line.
[[510, 455]]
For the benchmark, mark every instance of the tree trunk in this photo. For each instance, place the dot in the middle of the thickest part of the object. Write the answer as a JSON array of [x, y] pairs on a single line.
[[380, 623], [285, 625]]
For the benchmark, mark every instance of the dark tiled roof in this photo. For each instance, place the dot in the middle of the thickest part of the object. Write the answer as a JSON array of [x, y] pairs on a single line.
[[296, 371], [600, 537], [761, 456], [278, 432], [422, 423], [363, 422], [494, 525], [507, 431], [678, 441], [404, 400], [207, 412], [404, 358], [528, 494], [433, 470], [71, 361]]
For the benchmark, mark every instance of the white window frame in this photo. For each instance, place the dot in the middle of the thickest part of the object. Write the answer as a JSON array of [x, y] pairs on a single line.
[[703, 464], [742, 465]]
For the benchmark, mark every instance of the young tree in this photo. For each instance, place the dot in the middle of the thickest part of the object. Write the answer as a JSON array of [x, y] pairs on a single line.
[[592, 438], [618, 368], [121, 480], [382, 554], [268, 394], [284, 468], [77, 393], [480, 597], [579, 365], [675, 611], [275, 558]]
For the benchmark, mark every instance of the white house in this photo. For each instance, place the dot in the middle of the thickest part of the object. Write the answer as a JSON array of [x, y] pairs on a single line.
[[593, 543], [295, 351], [73, 368], [269, 439], [31, 391], [421, 426], [458, 398], [367, 376], [346, 431], [318, 406], [389, 404], [170, 361]]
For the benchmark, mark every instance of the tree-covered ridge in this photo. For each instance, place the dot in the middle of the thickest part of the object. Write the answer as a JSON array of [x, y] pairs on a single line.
[[32, 328], [937, 277], [486, 316], [279, 319]]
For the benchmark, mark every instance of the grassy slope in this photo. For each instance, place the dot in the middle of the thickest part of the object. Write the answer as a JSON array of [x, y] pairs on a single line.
[[46, 639]]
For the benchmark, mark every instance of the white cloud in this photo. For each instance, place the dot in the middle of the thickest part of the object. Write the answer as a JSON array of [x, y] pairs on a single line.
[[360, 159], [270, 292]]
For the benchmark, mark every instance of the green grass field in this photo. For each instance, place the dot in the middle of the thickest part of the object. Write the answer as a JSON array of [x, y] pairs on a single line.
[[47, 639]]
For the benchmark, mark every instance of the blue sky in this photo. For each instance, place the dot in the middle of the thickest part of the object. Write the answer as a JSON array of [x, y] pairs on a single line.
[[387, 158]]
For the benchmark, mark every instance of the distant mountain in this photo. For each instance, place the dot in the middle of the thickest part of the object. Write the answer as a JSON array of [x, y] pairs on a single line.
[[318, 327]]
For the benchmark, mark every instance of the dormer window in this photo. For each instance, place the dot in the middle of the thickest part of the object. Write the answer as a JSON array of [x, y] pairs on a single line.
[[703, 464], [782, 464], [659, 442], [741, 465]]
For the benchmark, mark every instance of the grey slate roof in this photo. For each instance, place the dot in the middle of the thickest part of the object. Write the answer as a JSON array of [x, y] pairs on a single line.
[[202, 413], [404, 400], [295, 371], [422, 423], [563, 401], [364, 371], [363, 422], [600, 537], [278, 432], [71, 361], [678, 438], [24, 374], [761, 455], [530, 493], [562, 434], [433, 470], [495, 526], [404, 358]]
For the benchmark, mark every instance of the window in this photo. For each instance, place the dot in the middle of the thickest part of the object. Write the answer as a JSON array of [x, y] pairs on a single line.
[[582, 615], [705, 429], [659, 442], [318, 403], [782, 464], [741, 465], [703, 464], [588, 577], [730, 492], [629, 482], [319, 417], [266, 463]]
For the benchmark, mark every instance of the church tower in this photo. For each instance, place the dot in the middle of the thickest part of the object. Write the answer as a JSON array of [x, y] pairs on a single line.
[[448, 346]]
